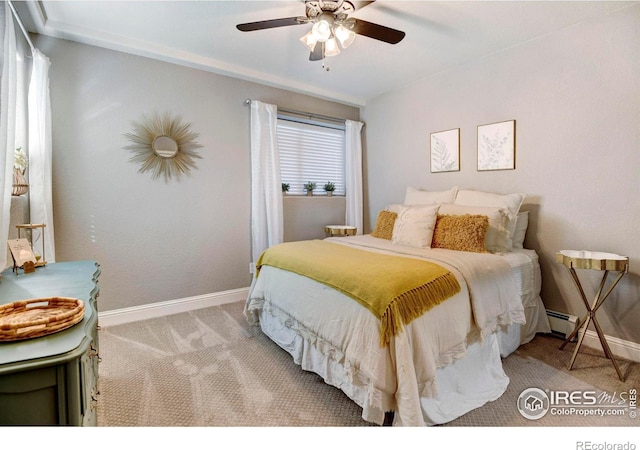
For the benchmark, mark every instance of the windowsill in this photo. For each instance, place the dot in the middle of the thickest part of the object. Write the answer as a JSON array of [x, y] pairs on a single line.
[[312, 196]]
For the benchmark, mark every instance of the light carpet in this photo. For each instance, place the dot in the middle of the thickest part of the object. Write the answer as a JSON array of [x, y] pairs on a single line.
[[209, 368]]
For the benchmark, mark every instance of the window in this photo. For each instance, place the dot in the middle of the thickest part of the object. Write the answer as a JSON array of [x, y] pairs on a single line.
[[311, 152]]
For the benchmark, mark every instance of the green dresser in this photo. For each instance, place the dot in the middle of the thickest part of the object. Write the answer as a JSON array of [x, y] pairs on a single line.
[[52, 380]]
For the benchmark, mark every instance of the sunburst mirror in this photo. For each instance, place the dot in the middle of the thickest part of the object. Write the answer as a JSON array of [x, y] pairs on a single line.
[[164, 145]]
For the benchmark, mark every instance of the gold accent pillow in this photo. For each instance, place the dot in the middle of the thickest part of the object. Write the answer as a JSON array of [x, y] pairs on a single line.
[[384, 225], [465, 232]]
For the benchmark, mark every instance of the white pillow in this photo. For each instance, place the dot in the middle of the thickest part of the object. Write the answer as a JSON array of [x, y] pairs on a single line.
[[415, 196], [510, 202], [414, 226], [498, 239], [522, 222]]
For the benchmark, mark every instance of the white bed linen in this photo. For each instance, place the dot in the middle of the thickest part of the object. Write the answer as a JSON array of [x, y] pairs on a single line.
[[526, 270], [337, 338], [489, 278]]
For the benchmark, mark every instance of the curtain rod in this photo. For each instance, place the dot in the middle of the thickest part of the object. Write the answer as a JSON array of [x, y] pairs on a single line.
[[24, 31], [305, 114]]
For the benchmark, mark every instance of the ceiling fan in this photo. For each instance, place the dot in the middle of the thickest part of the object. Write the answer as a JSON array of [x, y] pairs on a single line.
[[332, 27]]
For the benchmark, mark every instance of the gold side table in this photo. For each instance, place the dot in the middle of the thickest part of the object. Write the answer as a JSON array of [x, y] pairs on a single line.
[[607, 262], [340, 230]]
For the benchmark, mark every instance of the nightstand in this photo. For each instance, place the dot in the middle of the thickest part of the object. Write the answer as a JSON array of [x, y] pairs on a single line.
[[606, 262], [340, 230]]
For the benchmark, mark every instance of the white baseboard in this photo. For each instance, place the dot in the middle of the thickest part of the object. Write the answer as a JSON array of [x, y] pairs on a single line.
[[619, 347], [143, 312]]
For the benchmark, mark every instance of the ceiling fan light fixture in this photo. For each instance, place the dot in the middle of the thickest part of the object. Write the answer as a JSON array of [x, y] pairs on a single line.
[[323, 27], [344, 35], [331, 47], [321, 30], [309, 40]]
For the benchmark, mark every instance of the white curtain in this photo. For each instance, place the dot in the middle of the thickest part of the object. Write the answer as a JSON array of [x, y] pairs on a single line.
[[8, 89], [266, 189], [353, 175], [40, 166]]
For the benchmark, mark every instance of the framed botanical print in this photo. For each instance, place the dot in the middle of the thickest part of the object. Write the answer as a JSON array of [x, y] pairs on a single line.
[[497, 146], [445, 151]]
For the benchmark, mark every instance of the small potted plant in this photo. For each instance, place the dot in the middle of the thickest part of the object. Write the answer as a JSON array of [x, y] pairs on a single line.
[[309, 186], [329, 187], [285, 188]]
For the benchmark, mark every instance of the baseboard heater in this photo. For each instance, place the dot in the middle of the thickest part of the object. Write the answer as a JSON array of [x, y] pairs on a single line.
[[562, 324]]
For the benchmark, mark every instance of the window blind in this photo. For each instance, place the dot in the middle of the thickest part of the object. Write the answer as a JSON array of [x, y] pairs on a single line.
[[311, 153]]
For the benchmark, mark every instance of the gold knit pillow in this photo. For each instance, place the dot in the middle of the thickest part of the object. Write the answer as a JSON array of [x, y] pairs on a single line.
[[466, 233], [384, 225]]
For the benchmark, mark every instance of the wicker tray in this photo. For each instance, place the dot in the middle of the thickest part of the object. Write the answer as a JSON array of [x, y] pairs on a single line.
[[26, 319]]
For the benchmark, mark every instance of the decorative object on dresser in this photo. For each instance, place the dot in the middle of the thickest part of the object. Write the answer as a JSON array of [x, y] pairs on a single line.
[[607, 262], [28, 252], [285, 188], [164, 145], [497, 146], [22, 255], [445, 151], [33, 232], [28, 319], [52, 379]]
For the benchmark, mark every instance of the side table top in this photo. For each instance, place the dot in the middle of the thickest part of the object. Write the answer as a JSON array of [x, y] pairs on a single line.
[[340, 230], [584, 259]]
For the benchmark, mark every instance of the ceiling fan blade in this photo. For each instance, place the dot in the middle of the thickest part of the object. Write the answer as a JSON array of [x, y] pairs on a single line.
[[273, 23], [361, 4], [379, 32], [318, 52]]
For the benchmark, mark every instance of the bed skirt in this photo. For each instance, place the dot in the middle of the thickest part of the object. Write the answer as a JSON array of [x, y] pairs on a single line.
[[479, 377], [516, 335]]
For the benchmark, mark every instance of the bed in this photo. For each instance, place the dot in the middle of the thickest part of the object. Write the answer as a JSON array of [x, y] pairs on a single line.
[[444, 361]]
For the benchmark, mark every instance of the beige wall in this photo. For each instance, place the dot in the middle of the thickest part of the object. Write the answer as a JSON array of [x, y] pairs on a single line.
[[575, 96], [155, 241], [305, 217]]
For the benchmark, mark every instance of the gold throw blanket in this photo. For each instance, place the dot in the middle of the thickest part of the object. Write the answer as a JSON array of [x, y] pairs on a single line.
[[395, 289]]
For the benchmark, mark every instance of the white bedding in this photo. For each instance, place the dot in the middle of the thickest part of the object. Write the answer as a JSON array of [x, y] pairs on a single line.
[[334, 336]]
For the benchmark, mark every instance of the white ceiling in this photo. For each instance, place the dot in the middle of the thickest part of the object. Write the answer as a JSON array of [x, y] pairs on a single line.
[[202, 34]]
